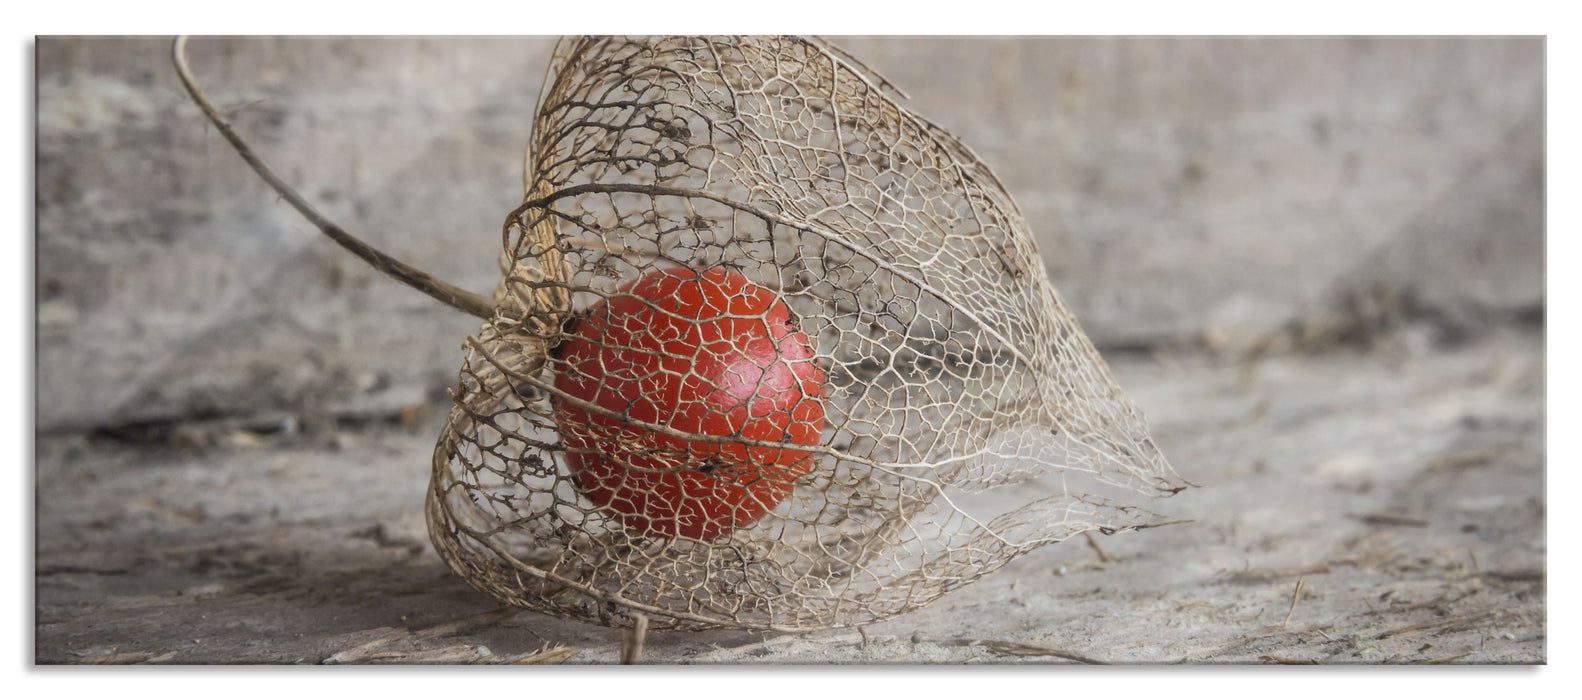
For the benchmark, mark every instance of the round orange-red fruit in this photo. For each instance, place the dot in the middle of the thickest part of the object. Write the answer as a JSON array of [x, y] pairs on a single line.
[[717, 359]]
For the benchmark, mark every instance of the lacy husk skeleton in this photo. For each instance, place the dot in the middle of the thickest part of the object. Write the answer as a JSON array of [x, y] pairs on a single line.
[[968, 419]]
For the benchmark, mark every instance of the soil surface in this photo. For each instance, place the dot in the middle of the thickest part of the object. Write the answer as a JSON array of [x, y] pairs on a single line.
[[1378, 505]]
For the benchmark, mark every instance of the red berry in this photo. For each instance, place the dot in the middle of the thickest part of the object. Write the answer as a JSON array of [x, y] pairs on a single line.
[[705, 352]]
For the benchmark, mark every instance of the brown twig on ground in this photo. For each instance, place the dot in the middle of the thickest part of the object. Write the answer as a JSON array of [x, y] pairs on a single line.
[[1269, 658], [547, 656], [1518, 575], [1277, 574], [1387, 519], [1019, 649], [1434, 624], [131, 657], [1295, 596], [466, 624]]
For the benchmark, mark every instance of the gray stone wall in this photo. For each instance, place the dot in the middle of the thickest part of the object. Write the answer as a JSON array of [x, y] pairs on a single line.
[[1182, 190]]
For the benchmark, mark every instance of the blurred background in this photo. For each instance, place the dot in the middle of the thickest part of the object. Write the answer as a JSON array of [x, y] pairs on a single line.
[[1228, 193]]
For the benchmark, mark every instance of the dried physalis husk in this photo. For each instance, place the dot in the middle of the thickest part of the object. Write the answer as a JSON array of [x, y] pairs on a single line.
[[963, 418]]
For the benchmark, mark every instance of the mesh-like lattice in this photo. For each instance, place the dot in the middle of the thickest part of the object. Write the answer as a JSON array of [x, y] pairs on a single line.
[[965, 418]]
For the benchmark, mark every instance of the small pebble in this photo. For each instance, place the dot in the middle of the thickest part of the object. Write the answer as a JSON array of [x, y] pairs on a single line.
[[367, 382], [483, 650]]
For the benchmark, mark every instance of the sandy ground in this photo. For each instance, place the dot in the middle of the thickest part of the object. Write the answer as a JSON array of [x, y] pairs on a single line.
[[1385, 506]]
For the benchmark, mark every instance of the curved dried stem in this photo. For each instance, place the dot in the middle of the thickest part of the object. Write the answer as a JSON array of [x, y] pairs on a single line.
[[456, 297]]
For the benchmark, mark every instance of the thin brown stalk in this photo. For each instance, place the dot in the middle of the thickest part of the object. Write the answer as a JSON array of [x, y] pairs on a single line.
[[1295, 596], [456, 297]]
